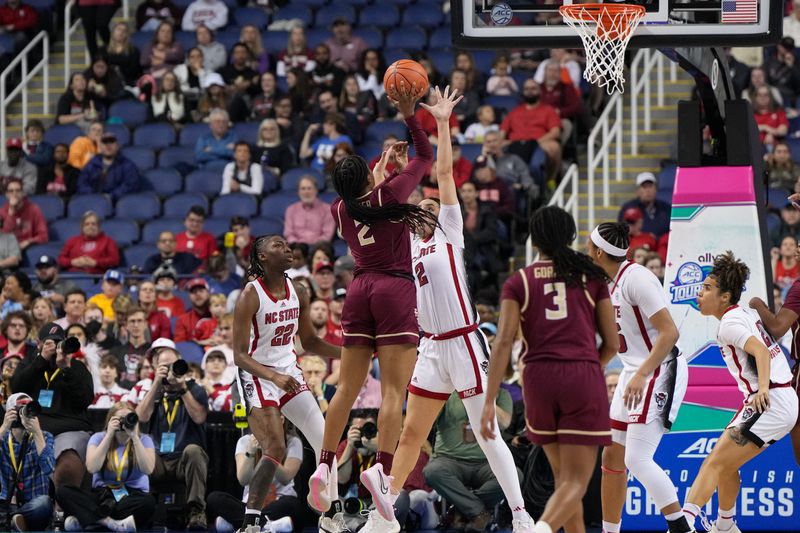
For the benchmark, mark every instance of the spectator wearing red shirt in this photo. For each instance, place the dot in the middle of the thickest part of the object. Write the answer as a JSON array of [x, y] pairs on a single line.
[[166, 279], [92, 252], [534, 124], [19, 21], [194, 240], [187, 322], [157, 321], [492, 190], [22, 217], [428, 123], [639, 239], [563, 97], [771, 119]]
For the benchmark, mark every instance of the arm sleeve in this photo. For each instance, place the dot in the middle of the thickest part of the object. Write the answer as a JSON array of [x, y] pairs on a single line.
[[199, 394], [452, 224], [406, 181], [734, 330], [199, 150], [646, 292], [65, 257], [186, 23], [181, 330]]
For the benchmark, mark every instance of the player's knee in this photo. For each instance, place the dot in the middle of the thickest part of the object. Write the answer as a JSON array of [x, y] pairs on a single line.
[[635, 460], [614, 458]]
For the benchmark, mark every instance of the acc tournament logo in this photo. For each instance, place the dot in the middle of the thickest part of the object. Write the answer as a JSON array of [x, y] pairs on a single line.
[[687, 283], [501, 14]]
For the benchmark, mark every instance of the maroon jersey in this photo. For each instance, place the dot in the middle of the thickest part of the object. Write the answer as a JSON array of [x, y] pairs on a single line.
[[558, 321], [386, 246], [792, 303]]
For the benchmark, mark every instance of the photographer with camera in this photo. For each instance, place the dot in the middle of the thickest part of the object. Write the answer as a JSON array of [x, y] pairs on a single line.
[[26, 462], [176, 409], [63, 386], [120, 460]]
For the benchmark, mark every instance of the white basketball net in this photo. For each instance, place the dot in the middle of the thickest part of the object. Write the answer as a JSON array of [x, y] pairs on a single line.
[[605, 31]]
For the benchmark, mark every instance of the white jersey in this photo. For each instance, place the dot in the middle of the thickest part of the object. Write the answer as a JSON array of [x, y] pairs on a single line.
[[735, 328], [443, 302], [274, 326], [636, 295]]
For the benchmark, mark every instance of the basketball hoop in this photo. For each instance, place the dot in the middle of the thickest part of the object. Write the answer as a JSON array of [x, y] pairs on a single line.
[[605, 30]]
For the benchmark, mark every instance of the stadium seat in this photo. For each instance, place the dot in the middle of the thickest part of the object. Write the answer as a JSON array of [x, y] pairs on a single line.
[[265, 226], [290, 12], [157, 135], [336, 10], [247, 131], [217, 226], [441, 38], [470, 152], [89, 284], [395, 54], [274, 41], [271, 183], [178, 205], [426, 15], [776, 198], [484, 59], [505, 103], [36, 251], [370, 149], [204, 181], [773, 222], [132, 113], [441, 59], [310, 3], [62, 133], [153, 229], [140, 38], [188, 39], [173, 155], [317, 36], [62, 230], [124, 232], [407, 38], [191, 132], [372, 36], [378, 130], [144, 158], [274, 206], [235, 204], [162, 181], [122, 132], [191, 352], [291, 178], [251, 15], [52, 206], [137, 254], [140, 206], [228, 38], [355, 3], [521, 76], [328, 196], [339, 248], [380, 15], [81, 203], [397, 2]]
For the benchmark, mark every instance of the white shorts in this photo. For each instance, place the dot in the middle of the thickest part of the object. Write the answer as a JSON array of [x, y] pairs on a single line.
[[460, 364], [763, 429], [664, 392], [260, 393]]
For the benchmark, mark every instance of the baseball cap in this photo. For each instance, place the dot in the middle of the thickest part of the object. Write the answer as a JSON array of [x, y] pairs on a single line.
[[17, 398], [114, 275], [53, 331], [488, 328], [213, 79], [7, 358], [344, 263], [323, 265], [632, 214], [108, 137], [45, 261], [215, 354], [161, 342], [165, 271], [644, 177], [196, 283], [14, 142], [340, 293]]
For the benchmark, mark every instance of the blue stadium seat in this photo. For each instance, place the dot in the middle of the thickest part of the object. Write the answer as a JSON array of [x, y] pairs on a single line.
[[380, 15], [235, 204], [156, 135], [62, 230], [6, 44], [191, 132], [378, 130], [270, 182], [370, 149], [471, 151], [162, 181], [62, 133], [274, 41], [265, 226], [356, 3], [125, 232], [140, 38], [178, 205], [169, 157], [521, 76], [339, 248], [394, 54], [131, 112], [776, 198], [122, 132], [289, 12], [666, 178], [291, 178], [773, 222], [247, 131], [52, 206], [426, 15], [144, 158], [81, 203], [217, 226], [137, 254], [441, 38], [228, 38], [204, 181], [153, 229], [484, 60], [251, 15], [406, 37], [316, 36], [442, 60], [371, 35], [398, 2], [188, 39], [89, 284], [190, 351], [36, 251], [274, 206], [329, 13], [310, 3], [140, 206], [506, 103]]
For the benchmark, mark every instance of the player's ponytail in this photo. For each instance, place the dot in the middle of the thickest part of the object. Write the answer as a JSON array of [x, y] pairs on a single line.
[[552, 232], [351, 176], [731, 275]]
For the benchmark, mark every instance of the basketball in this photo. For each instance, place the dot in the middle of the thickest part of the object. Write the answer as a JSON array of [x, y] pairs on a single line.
[[405, 72]]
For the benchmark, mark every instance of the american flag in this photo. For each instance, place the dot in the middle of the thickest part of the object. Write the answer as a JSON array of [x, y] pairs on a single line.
[[739, 11]]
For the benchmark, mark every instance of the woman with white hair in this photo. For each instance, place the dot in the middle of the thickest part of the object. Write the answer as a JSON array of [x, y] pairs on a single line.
[[271, 152]]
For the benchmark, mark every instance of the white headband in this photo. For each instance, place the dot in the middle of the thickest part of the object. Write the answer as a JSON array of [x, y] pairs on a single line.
[[606, 246]]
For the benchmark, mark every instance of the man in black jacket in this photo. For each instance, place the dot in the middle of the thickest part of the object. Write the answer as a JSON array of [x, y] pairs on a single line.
[[63, 386]]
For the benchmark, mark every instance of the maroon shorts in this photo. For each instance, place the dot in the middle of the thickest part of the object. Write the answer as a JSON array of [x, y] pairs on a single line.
[[566, 402], [380, 309]]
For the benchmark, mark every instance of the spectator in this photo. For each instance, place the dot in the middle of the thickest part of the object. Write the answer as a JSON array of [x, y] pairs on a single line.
[[164, 53], [324, 280], [26, 464], [508, 166], [194, 240], [343, 270], [297, 53], [205, 332], [74, 308], [191, 76], [151, 13], [359, 102], [215, 148], [16, 293], [187, 322], [390, 168], [103, 82], [225, 334], [37, 150], [771, 119], [371, 69], [656, 212], [237, 257], [214, 381], [638, 238], [242, 175], [109, 392], [259, 59], [58, 177], [109, 172], [220, 278], [42, 312], [290, 122], [299, 266], [500, 83], [64, 388], [96, 20], [20, 21], [466, 108], [480, 237], [76, 105], [146, 371], [166, 279], [323, 253], [183, 262], [16, 166], [123, 55], [785, 267], [459, 470], [158, 322], [271, 153], [328, 103], [563, 97], [333, 133], [476, 132], [428, 123], [325, 74], [216, 99], [299, 89], [239, 76], [783, 71], [91, 252], [133, 458], [262, 105], [129, 354], [781, 169], [570, 69], [168, 104], [84, 148], [791, 23], [48, 283], [758, 78], [176, 410], [8, 365], [655, 264], [464, 62], [16, 328], [315, 370], [214, 54], [310, 219], [112, 286], [340, 151], [213, 14], [493, 191], [10, 254], [345, 48], [22, 217]]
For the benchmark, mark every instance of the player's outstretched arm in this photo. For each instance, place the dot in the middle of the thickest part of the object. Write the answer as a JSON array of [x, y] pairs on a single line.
[[776, 325], [441, 111], [308, 336]]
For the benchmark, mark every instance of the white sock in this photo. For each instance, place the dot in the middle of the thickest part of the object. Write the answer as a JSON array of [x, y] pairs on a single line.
[[518, 512], [691, 511], [252, 511], [542, 527], [609, 527], [725, 518], [282, 525], [671, 517]]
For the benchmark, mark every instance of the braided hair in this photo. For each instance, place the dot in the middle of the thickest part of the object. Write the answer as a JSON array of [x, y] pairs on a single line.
[[552, 231], [616, 234], [350, 176], [255, 270], [731, 275]]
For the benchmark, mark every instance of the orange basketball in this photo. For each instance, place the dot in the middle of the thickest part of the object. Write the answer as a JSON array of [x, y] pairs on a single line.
[[403, 74]]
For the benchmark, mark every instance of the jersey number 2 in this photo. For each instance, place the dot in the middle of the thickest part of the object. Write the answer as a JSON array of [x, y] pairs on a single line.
[[559, 300], [363, 238], [419, 270], [283, 335]]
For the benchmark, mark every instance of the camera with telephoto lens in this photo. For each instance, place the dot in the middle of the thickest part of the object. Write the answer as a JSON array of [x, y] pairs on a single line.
[[129, 421], [32, 409], [179, 368], [355, 505], [369, 430], [70, 345]]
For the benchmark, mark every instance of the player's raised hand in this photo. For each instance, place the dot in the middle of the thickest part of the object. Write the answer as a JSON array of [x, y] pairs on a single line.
[[405, 99], [488, 423], [445, 103]]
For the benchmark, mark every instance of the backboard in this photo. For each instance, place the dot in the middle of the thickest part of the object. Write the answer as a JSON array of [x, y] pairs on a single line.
[[668, 23]]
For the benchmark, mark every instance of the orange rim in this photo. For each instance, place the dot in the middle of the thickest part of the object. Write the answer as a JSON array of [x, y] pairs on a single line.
[[589, 12]]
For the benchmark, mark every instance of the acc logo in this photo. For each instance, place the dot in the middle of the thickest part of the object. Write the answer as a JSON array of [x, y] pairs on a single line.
[[501, 14], [687, 283], [661, 400], [699, 448]]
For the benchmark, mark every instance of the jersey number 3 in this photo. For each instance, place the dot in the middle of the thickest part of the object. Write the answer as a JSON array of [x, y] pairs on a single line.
[[283, 335], [559, 300]]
